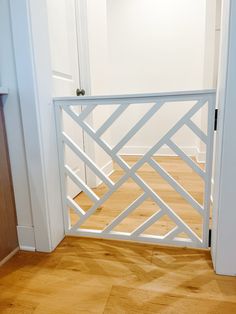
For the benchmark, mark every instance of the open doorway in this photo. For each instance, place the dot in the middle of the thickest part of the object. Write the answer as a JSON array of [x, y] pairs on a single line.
[[138, 47]]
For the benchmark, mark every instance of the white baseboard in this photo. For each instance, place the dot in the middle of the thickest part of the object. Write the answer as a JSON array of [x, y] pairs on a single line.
[[26, 238], [9, 256], [164, 151], [108, 168], [200, 157], [27, 248]]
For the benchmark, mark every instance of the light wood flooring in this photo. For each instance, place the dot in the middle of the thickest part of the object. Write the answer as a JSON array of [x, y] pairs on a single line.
[[110, 277], [130, 191]]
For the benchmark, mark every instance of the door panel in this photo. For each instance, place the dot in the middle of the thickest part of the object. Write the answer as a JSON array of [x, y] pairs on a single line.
[[65, 70], [63, 41]]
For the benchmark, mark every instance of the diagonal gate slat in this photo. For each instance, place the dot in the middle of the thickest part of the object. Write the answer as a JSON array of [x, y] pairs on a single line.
[[149, 222], [197, 131], [115, 115], [138, 126], [77, 150], [125, 213], [81, 184], [72, 204], [187, 159], [176, 186], [85, 111], [172, 234]]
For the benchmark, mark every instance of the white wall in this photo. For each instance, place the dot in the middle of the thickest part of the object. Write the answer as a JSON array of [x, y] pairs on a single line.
[[14, 129], [153, 46], [156, 46]]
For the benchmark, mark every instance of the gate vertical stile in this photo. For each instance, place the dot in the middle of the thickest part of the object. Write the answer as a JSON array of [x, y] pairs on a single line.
[[209, 159], [61, 157]]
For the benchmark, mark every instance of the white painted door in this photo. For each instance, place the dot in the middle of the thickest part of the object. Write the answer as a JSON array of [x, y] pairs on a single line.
[[65, 72]]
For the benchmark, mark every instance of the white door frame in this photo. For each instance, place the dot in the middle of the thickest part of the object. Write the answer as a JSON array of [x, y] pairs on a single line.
[[33, 70], [224, 209], [83, 46], [32, 56]]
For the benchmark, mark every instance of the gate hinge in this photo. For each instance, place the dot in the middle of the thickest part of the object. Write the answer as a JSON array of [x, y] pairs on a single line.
[[209, 238], [216, 120]]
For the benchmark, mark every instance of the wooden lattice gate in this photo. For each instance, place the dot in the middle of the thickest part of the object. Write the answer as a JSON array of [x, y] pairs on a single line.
[[195, 101]]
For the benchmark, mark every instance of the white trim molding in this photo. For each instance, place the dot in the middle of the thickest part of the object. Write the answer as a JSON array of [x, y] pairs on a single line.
[[107, 169], [3, 90], [13, 121], [163, 151], [26, 238], [33, 70], [200, 156], [224, 213]]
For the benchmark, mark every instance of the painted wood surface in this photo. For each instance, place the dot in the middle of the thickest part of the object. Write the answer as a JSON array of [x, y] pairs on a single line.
[[195, 101], [65, 69], [224, 213]]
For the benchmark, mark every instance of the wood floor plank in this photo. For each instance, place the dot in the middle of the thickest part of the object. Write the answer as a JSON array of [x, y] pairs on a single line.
[[101, 276], [136, 301]]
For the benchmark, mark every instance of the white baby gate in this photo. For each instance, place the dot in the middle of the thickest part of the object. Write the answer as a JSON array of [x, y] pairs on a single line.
[[196, 100]]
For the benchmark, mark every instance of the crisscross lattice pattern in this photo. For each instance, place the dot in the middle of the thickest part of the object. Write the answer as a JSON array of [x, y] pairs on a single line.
[[89, 104]]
